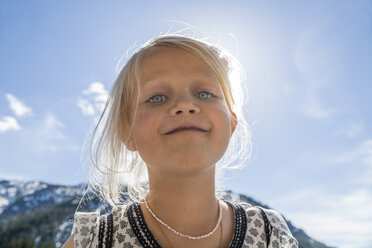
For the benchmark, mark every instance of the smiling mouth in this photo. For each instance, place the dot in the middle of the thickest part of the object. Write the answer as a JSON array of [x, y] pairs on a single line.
[[179, 130]]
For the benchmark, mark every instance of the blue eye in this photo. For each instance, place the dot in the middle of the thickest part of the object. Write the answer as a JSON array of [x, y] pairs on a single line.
[[157, 99], [204, 95]]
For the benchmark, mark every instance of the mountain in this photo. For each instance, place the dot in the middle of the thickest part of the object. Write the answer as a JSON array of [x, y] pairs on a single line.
[[38, 214]]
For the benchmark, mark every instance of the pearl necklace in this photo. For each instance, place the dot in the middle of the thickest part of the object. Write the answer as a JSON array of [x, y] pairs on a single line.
[[185, 235]]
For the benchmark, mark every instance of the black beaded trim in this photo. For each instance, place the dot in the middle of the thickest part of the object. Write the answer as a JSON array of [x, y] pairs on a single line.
[[147, 239], [138, 224], [108, 241], [101, 230], [134, 226], [268, 226], [144, 228], [240, 226]]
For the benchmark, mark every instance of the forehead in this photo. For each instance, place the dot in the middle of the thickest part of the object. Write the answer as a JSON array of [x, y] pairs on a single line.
[[164, 61]]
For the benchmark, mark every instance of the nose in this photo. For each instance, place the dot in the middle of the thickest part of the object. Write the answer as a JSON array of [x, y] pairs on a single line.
[[184, 106]]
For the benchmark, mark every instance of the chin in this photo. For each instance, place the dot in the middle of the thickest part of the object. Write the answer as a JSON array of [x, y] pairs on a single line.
[[189, 167]]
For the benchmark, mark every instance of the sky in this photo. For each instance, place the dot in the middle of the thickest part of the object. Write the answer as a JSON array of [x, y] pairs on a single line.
[[308, 71]]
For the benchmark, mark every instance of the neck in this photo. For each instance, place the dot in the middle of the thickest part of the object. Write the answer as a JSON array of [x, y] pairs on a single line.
[[188, 203]]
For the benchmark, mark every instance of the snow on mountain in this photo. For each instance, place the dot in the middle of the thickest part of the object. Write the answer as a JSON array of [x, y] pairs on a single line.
[[25, 196], [10, 191], [32, 202]]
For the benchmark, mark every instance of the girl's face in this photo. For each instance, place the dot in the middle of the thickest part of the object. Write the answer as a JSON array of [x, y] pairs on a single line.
[[183, 124]]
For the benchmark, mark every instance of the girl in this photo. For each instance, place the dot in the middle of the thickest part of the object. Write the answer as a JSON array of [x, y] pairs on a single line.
[[171, 116]]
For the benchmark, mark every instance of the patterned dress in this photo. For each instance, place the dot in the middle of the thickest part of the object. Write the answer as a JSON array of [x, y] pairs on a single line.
[[130, 229]]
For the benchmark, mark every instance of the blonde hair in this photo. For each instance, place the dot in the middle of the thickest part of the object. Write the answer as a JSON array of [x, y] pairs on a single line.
[[114, 164]]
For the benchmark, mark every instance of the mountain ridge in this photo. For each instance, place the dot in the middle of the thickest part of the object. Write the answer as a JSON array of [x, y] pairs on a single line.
[[39, 214]]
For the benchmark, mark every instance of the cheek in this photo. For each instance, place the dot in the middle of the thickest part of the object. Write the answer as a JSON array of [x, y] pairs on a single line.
[[146, 125], [221, 117], [223, 126], [146, 136]]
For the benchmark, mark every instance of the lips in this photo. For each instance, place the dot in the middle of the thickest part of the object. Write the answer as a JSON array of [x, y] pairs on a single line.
[[186, 128]]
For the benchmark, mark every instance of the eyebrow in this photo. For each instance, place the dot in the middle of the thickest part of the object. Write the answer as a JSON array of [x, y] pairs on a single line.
[[155, 78]]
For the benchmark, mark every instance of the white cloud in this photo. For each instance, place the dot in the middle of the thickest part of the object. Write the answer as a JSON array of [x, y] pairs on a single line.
[[19, 108], [8, 123], [98, 99], [52, 122], [343, 220], [52, 128], [86, 107], [95, 88], [50, 137]]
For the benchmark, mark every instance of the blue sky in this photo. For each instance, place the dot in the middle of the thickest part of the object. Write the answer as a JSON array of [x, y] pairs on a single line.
[[308, 67]]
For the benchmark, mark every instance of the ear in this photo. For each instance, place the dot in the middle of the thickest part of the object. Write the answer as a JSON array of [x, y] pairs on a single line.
[[131, 145], [233, 122]]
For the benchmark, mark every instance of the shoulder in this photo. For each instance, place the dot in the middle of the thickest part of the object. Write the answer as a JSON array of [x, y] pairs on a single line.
[[85, 228], [90, 219], [275, 218], [280, 232], [88, 226]]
